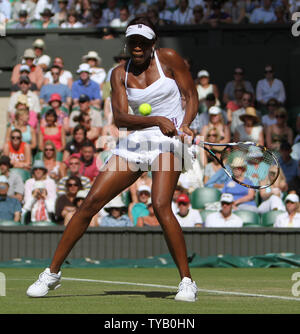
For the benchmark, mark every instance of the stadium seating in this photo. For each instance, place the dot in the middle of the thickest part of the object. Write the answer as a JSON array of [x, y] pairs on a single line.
[[250, 218], [39, 156], [42, 224], [268, 218], [202, 196], [25, 174]]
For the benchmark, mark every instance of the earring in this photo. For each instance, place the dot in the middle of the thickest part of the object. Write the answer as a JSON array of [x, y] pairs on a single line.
[[152, 54], [125, 48]]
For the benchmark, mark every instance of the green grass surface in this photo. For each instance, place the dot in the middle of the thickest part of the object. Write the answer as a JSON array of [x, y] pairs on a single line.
[[75, 297]]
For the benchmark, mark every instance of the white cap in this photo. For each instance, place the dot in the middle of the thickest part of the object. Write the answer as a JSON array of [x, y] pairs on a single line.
[[39, 43], [144, 188], [292, 198], [84, 68], [39, 185], [3, 179], [226, 197], [25, 68], [140, 29], [44, 60], [214, 110], [115, 203], [203, 73]]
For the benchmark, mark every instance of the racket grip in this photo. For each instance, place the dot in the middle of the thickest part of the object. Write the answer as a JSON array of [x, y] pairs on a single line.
[[180, 133]]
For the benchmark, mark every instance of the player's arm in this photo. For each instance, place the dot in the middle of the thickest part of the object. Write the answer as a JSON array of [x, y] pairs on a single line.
[[185, 84], [119, 103]]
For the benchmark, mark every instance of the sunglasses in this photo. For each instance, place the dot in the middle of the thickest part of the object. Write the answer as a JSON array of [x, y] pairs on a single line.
[[212, 135], [15, 137], [225, 203], [49, 149], [74, 163], [183, 203], [72, 185], [55, 73]]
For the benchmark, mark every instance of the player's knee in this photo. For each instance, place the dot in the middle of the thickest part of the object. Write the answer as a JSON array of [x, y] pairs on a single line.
[[162, 208]]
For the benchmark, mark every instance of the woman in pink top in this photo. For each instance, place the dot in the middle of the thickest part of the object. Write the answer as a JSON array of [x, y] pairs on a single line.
[[52, 132]]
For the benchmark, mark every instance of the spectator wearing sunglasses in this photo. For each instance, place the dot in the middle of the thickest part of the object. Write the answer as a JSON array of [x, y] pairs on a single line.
[[270, 119], [186, 215], [291, 218], [270, 87]]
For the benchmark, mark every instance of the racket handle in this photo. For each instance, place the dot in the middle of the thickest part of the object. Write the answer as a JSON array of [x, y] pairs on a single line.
[[190, 139]]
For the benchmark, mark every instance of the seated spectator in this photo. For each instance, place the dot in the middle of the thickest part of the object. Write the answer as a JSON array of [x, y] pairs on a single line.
[[86, 107], [39, 47], [117, 216], [55, 88], [92, 132], [280, 14], [238, 80], [137, 7], [164, 13], [198, 15], [272, 196], [140, 209], [84, 85], [24, 77], [216, 121], [186, 215], [183, 14], [45, 4], [36, 75], [88, 161], [27, 6], [264, 13], [148, 221], [291, 218], [40, 205], [84, 10], [177, 192], [32, 100], [225, 217], [234, 119], [73, 170], [218, 15], [288, 165], [56, 169], [144, 180], [74, 145], [270, 119], [270, 87], [250, 130], [122, 20], [257, 168], [18, 151], [65, 203], [39, 173], [65, 76], [15, 181], [111, 12], [10, 208], [218, 180], [72, 20], [55, 103], [235, 104], [243, 197], [52, 131], [97, 20], [213, 166], [153, 15], [45, 21], [61, 15], [21, 122], [279, 132], [44, 62], [79, 198], [237, 11], [21, 21], [204, 87]]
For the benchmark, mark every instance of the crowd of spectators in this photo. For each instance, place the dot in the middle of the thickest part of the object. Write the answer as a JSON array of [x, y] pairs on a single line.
[[47, 14], [61, 131]]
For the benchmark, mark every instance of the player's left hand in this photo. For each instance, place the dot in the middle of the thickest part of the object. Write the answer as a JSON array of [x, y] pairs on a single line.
[[186, 132]]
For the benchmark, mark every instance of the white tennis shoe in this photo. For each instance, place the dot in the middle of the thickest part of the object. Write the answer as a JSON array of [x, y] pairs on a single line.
[[187, 290], [46, 281]]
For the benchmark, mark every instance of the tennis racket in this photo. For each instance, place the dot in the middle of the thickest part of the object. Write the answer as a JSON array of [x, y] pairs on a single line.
[[255, 159]]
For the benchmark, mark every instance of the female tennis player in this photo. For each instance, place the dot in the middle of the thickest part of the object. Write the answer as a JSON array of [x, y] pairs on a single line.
[[157, 77]]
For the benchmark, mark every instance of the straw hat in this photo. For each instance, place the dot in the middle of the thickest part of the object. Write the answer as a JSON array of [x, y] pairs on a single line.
[[250, 112], [115, 203], [22, 99], [238, 162], [29, 53], [92, 55]]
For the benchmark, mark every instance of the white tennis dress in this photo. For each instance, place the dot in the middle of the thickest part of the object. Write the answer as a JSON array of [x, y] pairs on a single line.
[[144, 146]]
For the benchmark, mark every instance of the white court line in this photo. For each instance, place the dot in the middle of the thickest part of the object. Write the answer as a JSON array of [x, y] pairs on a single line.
[[175, 287]]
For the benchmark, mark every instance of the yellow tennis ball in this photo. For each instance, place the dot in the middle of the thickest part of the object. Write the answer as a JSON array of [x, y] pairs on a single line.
[[145, 109]]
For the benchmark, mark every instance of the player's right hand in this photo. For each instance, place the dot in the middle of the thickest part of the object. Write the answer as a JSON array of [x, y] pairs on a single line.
[[167, 127]]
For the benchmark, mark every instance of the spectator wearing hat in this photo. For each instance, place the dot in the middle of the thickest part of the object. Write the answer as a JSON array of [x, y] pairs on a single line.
[[140, 209], [250, 130], [65, 204], [45, 21], [10, 208], [39, 173], [111, 12], [291, 218], [288, 165], [24, 74], [225, 217], [72, 20], [243, 196], [41, 58], [24, 87], [270, 87], [45, 6], [186, 215], [21, 122], [85, 85], [264, 13], [36, 75], [98, 73], [86, 108], [204, 87], [40, 205], [238, 79], [21, 21], [280, 132], [117, 216], [144, 179], [183, 14], [15, 181], [79, 198], [65, 76], [18, 151]]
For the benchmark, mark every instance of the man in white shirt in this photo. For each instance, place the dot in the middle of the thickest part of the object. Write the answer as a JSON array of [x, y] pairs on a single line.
[[186, 216], [183, 14], [123, 20], [263, 14], [291, 218], [225, 217]]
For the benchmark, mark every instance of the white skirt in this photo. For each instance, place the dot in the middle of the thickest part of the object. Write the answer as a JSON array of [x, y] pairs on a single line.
[[144, 146]]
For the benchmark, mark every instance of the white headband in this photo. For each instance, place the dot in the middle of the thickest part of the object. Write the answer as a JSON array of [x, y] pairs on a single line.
[[140, 29]]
